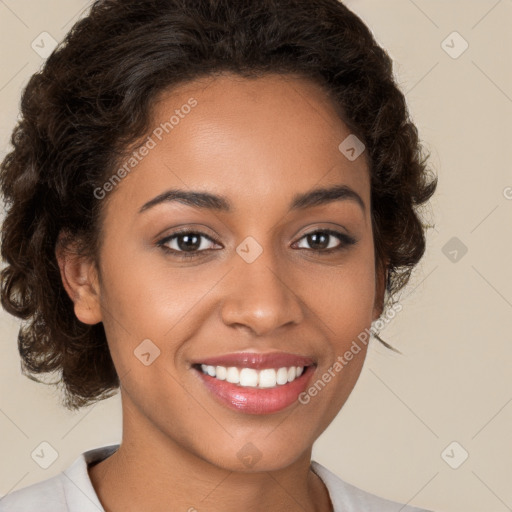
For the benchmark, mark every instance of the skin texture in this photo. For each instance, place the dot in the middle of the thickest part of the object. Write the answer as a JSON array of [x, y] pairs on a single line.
[[258, 142]]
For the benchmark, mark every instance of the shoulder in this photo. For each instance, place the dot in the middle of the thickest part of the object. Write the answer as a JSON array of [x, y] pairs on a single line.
[[68, 491], [45, 496], [348, 498]]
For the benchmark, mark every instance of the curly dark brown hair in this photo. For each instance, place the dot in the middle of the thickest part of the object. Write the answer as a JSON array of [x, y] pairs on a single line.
[[92, 100]]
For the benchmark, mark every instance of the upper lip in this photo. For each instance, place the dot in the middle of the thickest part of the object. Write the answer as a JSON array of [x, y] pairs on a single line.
[[257, 360]]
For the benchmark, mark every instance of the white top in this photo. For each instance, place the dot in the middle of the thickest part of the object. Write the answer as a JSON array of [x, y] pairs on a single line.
[[72, 491]]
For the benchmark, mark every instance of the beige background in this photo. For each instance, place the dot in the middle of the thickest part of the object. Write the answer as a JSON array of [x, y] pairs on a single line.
[[453, 382]]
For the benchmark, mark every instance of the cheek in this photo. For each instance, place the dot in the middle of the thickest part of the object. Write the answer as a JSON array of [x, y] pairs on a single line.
[[151, 297], [345, 307], [343, 296], [344, 303], [142, 301], [354, 301]]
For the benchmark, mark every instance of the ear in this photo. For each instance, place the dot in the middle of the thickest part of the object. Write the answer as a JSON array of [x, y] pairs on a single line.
[[80, 279], [381, 278]]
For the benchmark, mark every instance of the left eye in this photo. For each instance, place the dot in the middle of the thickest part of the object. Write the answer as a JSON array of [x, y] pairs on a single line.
[[321, 237]]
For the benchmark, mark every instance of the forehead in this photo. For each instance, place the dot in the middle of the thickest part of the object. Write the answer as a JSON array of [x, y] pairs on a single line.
[[251, 139]]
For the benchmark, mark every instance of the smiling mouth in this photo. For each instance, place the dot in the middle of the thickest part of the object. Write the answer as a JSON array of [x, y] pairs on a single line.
[[255, 382], [252, 378]]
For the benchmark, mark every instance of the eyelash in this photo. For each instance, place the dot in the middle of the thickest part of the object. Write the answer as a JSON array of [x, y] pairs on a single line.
[[345, 241]]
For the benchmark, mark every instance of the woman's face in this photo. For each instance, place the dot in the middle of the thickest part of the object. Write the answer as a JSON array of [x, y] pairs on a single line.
[[244, 287]]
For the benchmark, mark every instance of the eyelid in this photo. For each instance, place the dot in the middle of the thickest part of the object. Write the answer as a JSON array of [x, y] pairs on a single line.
[[188, 228]]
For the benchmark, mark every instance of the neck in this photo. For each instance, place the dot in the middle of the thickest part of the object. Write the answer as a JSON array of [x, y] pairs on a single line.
[[152, 472]]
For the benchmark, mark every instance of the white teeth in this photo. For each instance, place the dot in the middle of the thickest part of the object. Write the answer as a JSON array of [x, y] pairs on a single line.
[[221, 372], [267, 378], [233, 375], [282, 376], [249, 377]]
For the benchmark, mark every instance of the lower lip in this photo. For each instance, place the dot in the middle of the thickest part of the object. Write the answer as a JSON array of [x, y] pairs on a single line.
[[252, 400]]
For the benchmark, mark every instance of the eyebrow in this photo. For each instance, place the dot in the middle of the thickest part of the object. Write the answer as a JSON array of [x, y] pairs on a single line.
[[199, 199]]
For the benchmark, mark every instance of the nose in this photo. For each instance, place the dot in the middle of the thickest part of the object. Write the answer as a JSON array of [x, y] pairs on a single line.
[[261, 297]]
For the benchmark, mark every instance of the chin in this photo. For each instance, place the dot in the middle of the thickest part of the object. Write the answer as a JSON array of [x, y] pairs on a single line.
[[259, 456]]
